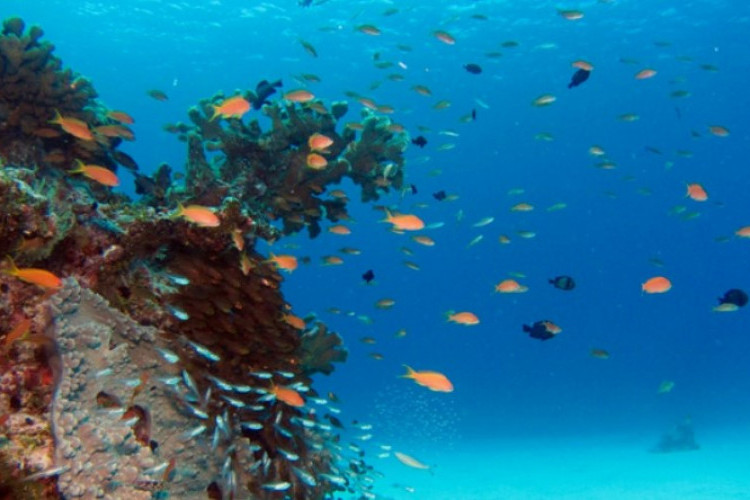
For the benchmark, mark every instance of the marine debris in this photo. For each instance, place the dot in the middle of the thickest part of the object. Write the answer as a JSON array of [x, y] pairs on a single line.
[[164, 365]]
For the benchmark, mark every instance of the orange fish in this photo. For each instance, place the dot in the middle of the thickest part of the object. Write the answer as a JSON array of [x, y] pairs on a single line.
[[339, 229], [18, 332], [510, 286], [584, 65], [234, 107], [199, 215], [463, 318], [718, 130], [657, 284], [286, 263], [294, 321], [319, 142], [102, 175], [385, 303], [332, 260], [115, 131], [238, 239], [696, 192], [444, 37], [288, 396], [424, 240], [39, 277], [645, 73], [300, 95], [743, 232], [73, 126], [434, 381], [316, 162], [121, 116], [404, 222]]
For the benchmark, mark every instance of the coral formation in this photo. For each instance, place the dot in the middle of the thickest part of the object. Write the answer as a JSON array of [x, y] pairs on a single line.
[[268, 172], [172, 366], [34, 87]]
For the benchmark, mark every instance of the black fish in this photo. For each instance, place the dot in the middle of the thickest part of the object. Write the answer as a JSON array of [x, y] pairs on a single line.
[[419, 141], [474, 115], [472, 68], [734, 296], [263, 91], [368, 276], [439, 196], [413, 188], [539, 330], [579, 77], [125, 160], [563, 282]]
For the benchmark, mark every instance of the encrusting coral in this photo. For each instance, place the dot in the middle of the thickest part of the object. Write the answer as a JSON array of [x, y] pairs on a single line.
[[168, 348]]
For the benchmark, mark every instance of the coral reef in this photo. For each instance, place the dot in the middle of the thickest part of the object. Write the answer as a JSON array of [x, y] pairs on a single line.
[[164, 365], [33, 88], [268, 172]]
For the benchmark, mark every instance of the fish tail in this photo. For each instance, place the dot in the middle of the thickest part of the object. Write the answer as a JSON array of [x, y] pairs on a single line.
[[388, 216], [178, 212], [12, 269], [79, 167], [57, 118], [409, 372], [216, 113]]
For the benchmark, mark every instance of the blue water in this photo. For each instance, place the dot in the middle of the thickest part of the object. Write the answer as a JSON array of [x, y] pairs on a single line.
[[506, 384]]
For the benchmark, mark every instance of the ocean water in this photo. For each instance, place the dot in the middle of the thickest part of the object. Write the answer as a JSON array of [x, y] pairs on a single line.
[[527, 419]]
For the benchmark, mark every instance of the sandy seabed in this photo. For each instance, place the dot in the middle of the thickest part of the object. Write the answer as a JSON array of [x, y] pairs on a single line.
[[612, 467]]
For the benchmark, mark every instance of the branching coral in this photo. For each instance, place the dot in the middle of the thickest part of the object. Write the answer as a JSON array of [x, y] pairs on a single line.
[[320, 349], [269, 169]]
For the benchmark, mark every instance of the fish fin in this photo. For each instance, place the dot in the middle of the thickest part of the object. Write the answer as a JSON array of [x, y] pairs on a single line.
[[526, 328], [11, 265], [57, 118], [409, 372]]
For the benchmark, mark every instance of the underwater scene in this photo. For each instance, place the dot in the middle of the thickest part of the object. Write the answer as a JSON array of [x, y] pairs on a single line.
[[374, 249]]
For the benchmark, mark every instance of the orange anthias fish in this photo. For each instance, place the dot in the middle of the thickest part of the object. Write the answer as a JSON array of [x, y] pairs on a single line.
[[18, 332], [73, 126], [294, 321], [434, 381], [199, 215], [102, 175], [463, 318], [645, 73], [121, 116], [444, 37], [319, 142], [234, 107], [299, 96], [696, 192], [286, 263], [39, 277], [288, 396], [339, 229], [657, 284], [404, 222], [316, 161], [510, 286]]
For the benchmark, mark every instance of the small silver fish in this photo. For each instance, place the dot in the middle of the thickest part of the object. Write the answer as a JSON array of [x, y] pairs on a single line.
[[195, 431], [168, 355], [277, 486], [304, 476], [204, 351]]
